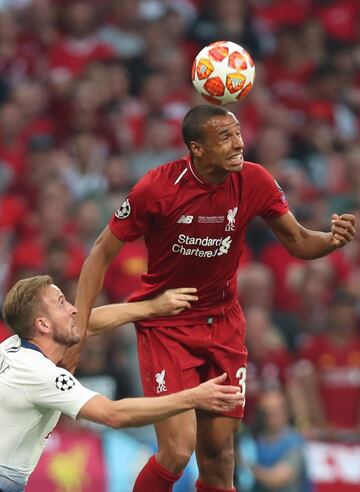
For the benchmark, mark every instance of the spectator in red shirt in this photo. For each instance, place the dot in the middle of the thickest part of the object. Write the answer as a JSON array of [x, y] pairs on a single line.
[[79, 46], [328, 374], [269, 359]]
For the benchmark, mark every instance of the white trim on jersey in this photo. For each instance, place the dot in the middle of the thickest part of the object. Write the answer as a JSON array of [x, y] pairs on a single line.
[[193, 173], [33, 393], [179, 177]]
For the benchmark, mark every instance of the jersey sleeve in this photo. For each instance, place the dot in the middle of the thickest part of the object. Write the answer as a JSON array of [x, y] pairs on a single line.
[[56, 388], [138, 212], [271, 198]]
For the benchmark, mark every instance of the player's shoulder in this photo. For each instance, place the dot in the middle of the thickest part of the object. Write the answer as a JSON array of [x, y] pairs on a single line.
[[11, 344], [36, 369], [256, 177], [254, 170], [29, 360], [165, 174]]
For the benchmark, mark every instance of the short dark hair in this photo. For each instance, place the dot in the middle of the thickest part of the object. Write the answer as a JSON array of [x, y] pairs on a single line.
[[22, 304], [193, 122]]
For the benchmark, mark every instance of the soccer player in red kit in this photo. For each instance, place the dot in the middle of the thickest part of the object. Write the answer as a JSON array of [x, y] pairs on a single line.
[[193, 214]]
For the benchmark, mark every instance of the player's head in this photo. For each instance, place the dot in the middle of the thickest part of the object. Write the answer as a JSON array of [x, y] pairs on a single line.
[[35, 307], [212, 134], [273, 409], [194, 120]]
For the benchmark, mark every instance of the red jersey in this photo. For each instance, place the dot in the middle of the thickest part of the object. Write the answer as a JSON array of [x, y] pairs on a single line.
[[195, 231], [338, 368]]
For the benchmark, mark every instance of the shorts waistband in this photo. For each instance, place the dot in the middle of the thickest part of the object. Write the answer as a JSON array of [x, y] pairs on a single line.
[[201, 319]]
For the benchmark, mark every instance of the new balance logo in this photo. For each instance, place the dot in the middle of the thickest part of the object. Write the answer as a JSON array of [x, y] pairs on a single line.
[[185, 219]]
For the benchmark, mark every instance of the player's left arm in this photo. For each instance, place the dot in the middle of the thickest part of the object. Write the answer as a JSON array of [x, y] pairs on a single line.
[[307, 244], [170, 303]]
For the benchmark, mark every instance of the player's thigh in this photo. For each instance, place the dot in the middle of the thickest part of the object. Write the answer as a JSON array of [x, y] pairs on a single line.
[[166, 365], [215, 434], [177, 434], [228, 354]]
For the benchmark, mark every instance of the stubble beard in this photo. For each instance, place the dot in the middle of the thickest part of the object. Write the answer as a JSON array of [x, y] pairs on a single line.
[[66, 340]]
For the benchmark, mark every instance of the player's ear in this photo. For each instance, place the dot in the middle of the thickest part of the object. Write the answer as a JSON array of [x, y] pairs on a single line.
[[42, 324], [196, 149]]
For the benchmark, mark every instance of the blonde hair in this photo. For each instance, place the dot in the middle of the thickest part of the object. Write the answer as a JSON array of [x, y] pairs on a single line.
[[22, 304]]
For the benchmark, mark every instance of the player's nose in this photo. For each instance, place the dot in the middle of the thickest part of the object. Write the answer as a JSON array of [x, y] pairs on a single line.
[[73, 309], [238, 142]]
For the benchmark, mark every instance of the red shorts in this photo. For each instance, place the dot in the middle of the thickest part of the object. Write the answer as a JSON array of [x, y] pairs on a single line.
[[173, 358]]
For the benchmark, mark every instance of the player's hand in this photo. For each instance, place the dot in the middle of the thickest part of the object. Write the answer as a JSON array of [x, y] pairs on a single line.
[[213, 396], [173, 301], [342, 229]]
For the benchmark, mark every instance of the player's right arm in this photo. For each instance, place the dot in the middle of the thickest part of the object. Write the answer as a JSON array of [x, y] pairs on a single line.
[[307, 244], [106, 247], [133, 412], [169, 303]]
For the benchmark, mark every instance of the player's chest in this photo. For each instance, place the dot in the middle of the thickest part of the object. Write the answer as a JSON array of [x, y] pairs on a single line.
[[219, 211]]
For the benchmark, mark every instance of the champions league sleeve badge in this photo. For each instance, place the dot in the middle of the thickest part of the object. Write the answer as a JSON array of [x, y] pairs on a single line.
[[124, 211], [282, 194], [64, 382]]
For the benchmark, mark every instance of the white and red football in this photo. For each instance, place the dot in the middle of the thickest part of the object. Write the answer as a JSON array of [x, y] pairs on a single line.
[[223, 72]]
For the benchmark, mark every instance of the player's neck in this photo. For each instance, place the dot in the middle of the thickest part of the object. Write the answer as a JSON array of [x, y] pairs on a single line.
[[209, 175], [50, 349]]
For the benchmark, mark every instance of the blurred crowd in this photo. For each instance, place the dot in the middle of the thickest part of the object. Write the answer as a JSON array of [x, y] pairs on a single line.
[[92, 95]]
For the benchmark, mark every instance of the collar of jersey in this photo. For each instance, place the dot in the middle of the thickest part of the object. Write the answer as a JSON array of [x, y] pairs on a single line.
[[204, 184], [29, 345]]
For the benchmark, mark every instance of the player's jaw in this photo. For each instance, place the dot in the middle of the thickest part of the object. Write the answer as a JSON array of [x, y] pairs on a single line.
[[66, 336], [234, 162], [65, 331]]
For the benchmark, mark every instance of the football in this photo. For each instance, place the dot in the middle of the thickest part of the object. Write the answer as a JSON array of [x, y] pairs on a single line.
[[223, 72]]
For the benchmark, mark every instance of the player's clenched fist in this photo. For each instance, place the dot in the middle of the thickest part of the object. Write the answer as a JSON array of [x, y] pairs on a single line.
[[342, 229], [213, 396]]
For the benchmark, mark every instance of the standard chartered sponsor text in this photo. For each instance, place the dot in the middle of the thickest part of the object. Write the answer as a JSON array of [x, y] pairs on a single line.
[[214, 246]]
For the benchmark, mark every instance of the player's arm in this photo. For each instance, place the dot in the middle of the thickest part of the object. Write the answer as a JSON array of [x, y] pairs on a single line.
[[170, 303], [306, 244], [106, 247], [278, 476], [132, 412]]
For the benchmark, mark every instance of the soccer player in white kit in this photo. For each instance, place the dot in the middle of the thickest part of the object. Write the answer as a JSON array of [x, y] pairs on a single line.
[[34, 391]]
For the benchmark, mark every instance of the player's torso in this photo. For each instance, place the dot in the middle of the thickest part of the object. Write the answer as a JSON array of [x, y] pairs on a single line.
[[198, 226], [197, 238], [26, 425]]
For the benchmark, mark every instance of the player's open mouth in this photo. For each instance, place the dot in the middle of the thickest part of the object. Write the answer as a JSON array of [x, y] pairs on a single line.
[[236, 159]]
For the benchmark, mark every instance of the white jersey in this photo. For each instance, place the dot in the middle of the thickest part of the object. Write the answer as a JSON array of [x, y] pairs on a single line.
[[33, 394]]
